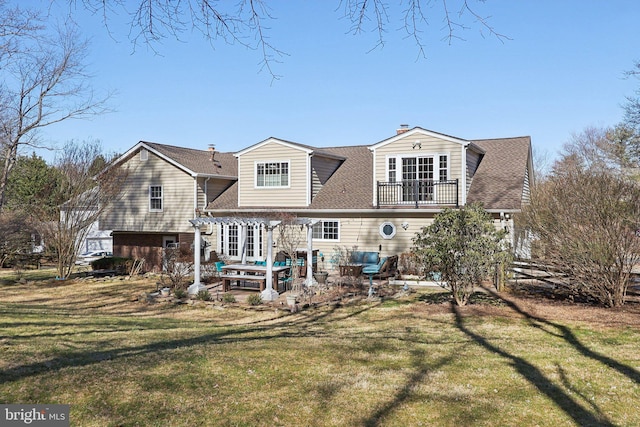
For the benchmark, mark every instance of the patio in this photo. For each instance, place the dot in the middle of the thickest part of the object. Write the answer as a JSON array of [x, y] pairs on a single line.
[[268, 291]]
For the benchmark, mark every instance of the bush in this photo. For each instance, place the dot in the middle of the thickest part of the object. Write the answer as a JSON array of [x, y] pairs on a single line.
[[228, 298], [203, 295], [120, 264], [586, 224], [463, 245], [254, 299], [179, 293]]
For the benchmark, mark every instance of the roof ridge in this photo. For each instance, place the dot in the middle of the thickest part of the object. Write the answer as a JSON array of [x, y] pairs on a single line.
[[505, 137], [183, 148]]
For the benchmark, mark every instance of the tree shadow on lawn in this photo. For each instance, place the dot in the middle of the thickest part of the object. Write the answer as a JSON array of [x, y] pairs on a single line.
[[406, 393], [561, 331], [581, 415], [298, 326]]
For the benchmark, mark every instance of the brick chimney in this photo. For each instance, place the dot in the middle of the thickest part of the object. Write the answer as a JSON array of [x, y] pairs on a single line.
[[402, 129]]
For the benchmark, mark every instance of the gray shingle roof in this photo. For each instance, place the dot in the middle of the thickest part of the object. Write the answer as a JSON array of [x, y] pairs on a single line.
[[199, 161], [351, 186], [498, 183]]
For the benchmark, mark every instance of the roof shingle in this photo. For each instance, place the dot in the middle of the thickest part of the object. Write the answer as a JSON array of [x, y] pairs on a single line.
[[498, 183], [199, 161]]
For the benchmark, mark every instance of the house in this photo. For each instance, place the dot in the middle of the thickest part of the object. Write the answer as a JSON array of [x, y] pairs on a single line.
[[375, 197], [166, 187], [81, 214]]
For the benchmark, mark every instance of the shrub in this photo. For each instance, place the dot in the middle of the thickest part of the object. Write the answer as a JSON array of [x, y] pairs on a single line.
[[180, 293], [228, 298], [120, 264], [463, 245], [254, 299], [586, 223], [203, 295], [177, 264]]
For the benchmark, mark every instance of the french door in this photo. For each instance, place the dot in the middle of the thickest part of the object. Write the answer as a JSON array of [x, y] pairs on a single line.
[[234, 239], [417, 177]]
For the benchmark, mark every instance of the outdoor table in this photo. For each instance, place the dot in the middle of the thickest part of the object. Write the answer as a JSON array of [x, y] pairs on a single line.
[[250, 273]]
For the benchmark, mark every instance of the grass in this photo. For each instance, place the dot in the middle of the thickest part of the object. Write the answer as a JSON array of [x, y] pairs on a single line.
[[399, 362]]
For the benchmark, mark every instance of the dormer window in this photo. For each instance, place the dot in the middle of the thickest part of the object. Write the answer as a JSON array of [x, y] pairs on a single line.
[[272, 174]]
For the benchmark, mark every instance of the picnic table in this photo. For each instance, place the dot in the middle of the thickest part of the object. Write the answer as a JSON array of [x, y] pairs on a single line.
[[243, 273]]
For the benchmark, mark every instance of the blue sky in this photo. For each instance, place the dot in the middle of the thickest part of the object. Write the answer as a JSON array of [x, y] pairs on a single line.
[[562, 70]]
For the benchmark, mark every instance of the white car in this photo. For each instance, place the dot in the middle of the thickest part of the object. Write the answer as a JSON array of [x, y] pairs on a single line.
[[87, 257]]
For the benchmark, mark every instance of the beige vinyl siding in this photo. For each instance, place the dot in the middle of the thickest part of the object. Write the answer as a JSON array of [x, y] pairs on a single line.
[[131, 211], [214, 187], [363, 232], [296, 195], [321, 170], [429, 145]]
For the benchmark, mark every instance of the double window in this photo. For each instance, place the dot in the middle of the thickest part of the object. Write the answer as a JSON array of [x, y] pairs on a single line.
[[272, 174], [326, 230], [155, 198]]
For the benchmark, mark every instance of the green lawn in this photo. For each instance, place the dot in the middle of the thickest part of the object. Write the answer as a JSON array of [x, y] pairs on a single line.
[[397, 362]]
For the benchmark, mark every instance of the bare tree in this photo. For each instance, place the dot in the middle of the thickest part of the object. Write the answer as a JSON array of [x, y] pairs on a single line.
[[83, 198], [44, 82], [632, 105], [614, 150], [585, 223], [16, 25], [290, 239], [247, 22]]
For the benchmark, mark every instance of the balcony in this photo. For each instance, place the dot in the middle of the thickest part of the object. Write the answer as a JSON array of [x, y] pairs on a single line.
[[418, 193]]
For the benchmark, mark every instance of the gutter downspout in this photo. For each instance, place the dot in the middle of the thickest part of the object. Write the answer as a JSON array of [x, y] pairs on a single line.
[[204, 204], [195, 196], [465, 172]]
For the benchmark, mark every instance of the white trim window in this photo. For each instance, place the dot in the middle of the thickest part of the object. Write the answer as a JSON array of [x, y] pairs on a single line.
[[443, 167], [387, 230], [155, 198], [327, 230], [272, 174]]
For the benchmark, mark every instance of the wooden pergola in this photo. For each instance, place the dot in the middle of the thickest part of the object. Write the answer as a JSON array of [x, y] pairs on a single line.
[[269, 294]]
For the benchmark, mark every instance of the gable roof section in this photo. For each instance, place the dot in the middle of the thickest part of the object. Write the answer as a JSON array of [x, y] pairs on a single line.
[[500, 178], [192, 161], [197, 162], [295, 145], [348, 188], [426, 132]]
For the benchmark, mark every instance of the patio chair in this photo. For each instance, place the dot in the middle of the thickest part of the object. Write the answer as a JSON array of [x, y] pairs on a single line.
[[286, 279], [384, 268]]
